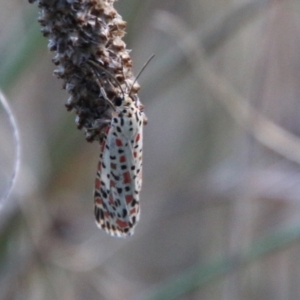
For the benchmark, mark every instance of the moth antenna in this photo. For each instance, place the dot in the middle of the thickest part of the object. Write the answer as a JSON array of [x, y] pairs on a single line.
[[124, 76], [140, 72], [97, 65], [106, 98], [102, 91]]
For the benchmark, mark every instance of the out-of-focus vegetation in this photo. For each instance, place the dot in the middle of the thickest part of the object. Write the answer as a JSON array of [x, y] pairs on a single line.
[[221, 199]]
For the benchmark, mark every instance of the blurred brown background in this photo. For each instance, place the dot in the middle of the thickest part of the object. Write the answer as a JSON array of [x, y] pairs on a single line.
[[221, 192]]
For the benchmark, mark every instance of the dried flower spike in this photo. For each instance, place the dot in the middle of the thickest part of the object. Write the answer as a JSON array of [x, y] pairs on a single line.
[[90, 57], [92, 60]]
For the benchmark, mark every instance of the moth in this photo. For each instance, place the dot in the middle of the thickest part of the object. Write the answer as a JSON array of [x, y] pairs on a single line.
[[119, 174]]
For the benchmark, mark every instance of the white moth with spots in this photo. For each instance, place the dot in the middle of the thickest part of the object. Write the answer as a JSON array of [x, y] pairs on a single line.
[[119, 174]]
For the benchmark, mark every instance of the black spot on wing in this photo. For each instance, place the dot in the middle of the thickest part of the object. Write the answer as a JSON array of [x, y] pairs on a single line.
[[103, 193], [117, 178], [134, 202], [97, 194], [133, 220], [97, 213], [107, 225]]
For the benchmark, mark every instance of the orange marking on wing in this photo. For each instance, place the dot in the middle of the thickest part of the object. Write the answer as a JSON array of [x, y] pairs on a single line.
[[98, 201], [113, 166], [134, 154], [97, 184], [128, 198], [119, 143], [138, 137], [122, 159], [121, 223], [99, 166], [103, 145], [111, 199], [126, 177], [112, 183], [133, 211]]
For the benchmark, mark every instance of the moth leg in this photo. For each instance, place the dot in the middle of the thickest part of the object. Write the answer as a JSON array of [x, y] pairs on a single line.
[[98, 128]]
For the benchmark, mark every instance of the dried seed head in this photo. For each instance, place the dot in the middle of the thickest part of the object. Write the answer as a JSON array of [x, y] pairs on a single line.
[[90, 57]]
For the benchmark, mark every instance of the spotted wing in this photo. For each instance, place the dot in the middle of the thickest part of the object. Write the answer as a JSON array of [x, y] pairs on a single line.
[[119, 179]]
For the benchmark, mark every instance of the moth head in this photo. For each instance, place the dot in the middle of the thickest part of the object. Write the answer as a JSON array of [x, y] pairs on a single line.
[[118, 101], [121, 101]]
